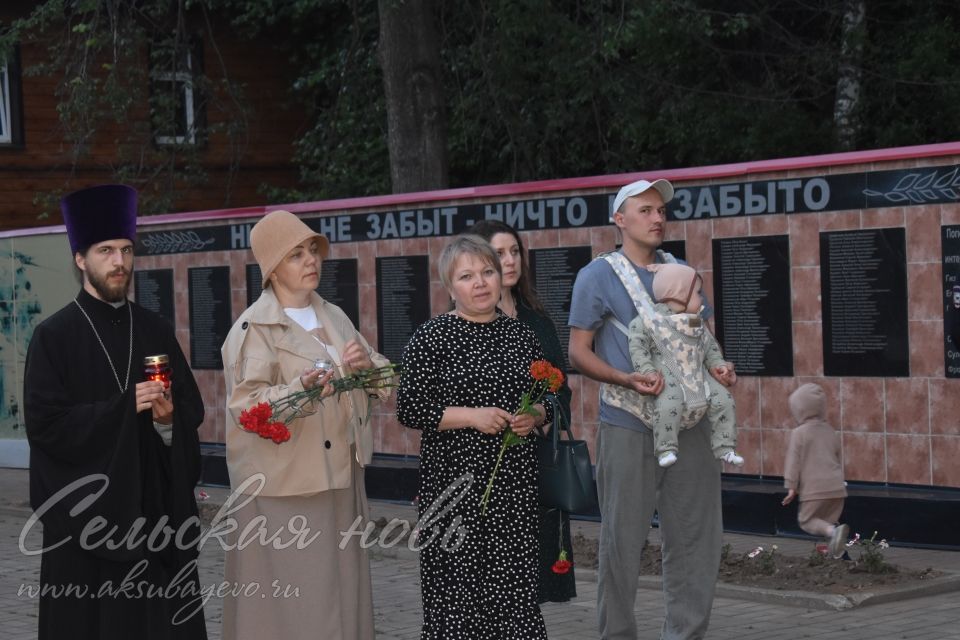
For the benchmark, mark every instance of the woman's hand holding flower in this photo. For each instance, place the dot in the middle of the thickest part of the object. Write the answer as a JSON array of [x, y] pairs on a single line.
[[524, 423], [356, 357], [491, 420], [313, 378]]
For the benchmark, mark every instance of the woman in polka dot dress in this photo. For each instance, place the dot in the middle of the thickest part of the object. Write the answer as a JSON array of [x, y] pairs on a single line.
[[463, 375], [518, 299]]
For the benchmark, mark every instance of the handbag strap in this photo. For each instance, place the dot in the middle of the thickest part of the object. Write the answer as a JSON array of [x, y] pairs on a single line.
[[559, 423]]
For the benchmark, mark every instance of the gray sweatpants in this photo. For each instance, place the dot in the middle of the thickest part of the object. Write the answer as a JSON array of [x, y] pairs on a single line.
[[631, 485]]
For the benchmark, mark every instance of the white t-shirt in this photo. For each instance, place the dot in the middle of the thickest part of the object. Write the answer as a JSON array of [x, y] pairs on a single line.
[[306, 317]]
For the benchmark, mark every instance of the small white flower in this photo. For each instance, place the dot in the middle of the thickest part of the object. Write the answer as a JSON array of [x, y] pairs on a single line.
[[854, 540], [755, 552], [884, 544]]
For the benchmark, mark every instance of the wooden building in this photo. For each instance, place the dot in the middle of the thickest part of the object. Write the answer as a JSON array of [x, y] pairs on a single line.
[[225, 144]]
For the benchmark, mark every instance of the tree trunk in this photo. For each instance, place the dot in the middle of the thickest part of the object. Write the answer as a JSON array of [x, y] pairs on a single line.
[[849, 74], [409, 53]]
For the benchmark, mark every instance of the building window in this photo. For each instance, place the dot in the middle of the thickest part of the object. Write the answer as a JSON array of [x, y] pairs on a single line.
[[175, 100], [11, 131], [5, 137]]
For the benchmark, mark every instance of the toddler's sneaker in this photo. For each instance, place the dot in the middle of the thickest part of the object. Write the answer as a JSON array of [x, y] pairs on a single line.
[[667, 458], [838, 540], [731, 457]]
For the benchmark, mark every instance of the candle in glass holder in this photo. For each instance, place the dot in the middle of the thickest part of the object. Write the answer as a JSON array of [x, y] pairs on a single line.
[[158, 368]]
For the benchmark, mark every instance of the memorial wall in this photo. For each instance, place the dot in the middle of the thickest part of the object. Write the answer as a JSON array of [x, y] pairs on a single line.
[[843, 270]]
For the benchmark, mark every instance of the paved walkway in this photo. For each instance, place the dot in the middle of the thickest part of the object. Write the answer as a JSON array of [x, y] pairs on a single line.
[[397, 592]]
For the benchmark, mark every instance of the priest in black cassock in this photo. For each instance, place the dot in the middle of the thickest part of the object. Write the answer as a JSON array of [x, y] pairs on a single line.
[[114, 457]]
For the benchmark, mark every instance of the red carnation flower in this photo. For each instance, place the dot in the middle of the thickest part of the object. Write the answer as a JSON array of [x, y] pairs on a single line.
[[546, 377], [269, 420], [562, 565]]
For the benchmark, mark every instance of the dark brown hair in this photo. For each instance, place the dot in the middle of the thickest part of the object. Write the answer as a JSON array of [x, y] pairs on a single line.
[[523, 290]]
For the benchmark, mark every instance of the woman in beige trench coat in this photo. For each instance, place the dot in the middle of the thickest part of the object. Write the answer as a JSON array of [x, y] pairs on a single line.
[[311, 487]]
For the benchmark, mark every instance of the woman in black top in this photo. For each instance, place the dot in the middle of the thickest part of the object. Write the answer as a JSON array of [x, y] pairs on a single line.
[[519, 300]]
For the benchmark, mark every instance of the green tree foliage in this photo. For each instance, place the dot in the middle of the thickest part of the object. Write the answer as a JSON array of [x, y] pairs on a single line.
[[540, 89], [913, 72], [609, 87], [332, 47]]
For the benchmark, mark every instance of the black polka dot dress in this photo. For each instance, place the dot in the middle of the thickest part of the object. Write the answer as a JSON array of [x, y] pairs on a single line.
[[478, 573]]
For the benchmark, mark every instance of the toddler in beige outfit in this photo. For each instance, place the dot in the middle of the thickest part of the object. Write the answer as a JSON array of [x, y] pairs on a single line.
[[813, 469]]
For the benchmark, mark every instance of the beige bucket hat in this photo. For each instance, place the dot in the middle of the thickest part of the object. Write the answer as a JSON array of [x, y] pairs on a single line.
[[275, 235]]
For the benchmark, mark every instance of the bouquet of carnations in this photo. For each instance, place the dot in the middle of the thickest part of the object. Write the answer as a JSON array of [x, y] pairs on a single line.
[[269, 420], [546, 377]]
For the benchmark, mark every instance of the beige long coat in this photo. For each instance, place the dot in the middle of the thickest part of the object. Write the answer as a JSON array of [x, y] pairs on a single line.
[[315, 478], [263, 357]]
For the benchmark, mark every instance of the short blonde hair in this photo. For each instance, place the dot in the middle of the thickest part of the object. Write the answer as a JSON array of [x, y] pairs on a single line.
[[469, 244]]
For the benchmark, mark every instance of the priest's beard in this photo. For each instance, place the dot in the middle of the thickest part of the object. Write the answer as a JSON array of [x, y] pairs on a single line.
[[110, 292]]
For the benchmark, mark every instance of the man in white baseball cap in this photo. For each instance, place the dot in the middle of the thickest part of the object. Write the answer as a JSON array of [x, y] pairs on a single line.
[[664, 188], [630, 483]]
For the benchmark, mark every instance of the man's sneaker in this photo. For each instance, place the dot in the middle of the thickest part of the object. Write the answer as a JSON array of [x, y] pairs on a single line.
[[838, 540], [667, 458], [730, 457]]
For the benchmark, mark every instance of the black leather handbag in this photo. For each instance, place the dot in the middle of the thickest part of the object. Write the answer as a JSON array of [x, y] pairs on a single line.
[[566, 477]]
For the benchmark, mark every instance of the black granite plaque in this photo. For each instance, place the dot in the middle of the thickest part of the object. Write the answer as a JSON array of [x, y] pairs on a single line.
[[210, 317], [950, 237], [339, 285], [553, 272], [863, 282], [751, 283], [254, 283], [676, 247], [154, 291], [403, 301]]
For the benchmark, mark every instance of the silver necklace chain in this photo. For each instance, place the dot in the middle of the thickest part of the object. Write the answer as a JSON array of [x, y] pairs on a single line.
[[126, 383]]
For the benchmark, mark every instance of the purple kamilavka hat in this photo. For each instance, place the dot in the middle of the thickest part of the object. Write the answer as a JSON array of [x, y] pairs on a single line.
[[95, 214]]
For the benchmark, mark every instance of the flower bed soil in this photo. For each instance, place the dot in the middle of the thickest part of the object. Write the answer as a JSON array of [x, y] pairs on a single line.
[[815, 573]]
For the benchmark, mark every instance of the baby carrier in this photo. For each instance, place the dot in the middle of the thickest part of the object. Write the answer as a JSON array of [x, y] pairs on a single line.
[[678, 339]]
